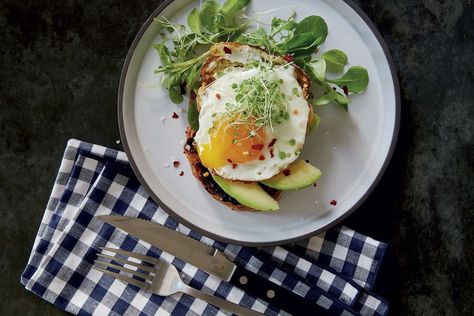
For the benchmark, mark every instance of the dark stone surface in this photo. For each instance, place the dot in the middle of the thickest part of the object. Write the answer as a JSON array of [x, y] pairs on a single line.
[[60, 63]]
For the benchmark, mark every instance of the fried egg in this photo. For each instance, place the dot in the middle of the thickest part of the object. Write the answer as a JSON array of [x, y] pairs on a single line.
[[235, 143]]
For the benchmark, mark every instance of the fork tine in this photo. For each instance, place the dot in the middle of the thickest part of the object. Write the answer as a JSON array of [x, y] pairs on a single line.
[[122, 277], [145, 258], [124, 261], [133, 272]]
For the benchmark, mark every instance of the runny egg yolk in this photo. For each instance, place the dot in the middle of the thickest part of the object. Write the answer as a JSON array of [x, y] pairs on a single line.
[[232, 143]]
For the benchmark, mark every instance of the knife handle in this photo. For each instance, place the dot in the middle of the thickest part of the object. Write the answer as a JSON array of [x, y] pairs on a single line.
[[270, 292]]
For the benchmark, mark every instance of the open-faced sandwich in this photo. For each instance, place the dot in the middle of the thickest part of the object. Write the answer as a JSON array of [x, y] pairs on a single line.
[[250, 105], [253, 118]]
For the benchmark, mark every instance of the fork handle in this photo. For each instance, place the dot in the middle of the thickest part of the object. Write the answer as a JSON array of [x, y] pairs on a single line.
[[219, 302]]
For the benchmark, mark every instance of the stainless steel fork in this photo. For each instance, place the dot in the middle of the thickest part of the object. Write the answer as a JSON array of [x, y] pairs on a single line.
[[162, 278]]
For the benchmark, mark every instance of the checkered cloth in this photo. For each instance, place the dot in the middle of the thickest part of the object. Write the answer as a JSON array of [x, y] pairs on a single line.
[[336, 269]]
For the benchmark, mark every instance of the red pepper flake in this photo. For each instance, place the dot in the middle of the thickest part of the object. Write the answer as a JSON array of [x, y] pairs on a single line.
[[218, 96], [229, 161], [181, 173], [227, 50], [271, 152], [272, 142], [333, 202], [176, 164], [346, 90], [234, 165], [286, 172], [175, 115], [261, 157], [288, 58], [257, 146]]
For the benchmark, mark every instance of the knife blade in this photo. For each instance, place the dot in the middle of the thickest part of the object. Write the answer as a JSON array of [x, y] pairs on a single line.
[[187, 249], [212, 261]]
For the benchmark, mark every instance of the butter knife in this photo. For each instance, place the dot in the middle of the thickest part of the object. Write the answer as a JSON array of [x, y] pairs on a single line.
[[213, 262]]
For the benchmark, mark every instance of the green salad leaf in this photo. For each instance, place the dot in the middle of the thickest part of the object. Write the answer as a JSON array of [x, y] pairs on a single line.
[[194, 21], [209, 16], [317, 68], [175, 94], [298, 42], [163, 53], [193, 116], [332, 95], [335, 59], [232, 7], [301, 45], [313, 24], [356, 79]]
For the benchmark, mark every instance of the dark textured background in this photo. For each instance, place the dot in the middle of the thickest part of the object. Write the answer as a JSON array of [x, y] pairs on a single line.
[[60, 64]]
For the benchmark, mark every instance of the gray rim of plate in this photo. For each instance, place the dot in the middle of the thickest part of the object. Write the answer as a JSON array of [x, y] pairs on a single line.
[[204, 232]]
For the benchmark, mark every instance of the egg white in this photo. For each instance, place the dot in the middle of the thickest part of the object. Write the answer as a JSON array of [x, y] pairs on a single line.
[[293, 128]]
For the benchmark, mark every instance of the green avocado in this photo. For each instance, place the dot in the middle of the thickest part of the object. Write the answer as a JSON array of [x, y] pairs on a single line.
[[248, 194], [300, 175]]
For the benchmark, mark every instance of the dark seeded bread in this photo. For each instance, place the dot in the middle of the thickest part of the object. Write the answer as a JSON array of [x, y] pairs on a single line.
[[216, 62]]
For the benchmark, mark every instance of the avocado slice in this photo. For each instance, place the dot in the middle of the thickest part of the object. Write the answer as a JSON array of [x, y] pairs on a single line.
[[247, 194], [301, 175]]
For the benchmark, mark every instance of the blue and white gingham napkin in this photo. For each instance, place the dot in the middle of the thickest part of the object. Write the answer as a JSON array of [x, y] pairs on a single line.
[[336, 269]]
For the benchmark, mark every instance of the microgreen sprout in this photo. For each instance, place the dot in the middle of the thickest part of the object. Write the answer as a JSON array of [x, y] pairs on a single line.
[[282, 155], [259, 100]]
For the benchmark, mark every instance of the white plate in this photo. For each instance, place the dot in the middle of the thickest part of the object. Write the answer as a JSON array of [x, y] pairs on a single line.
[[351, 149]]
